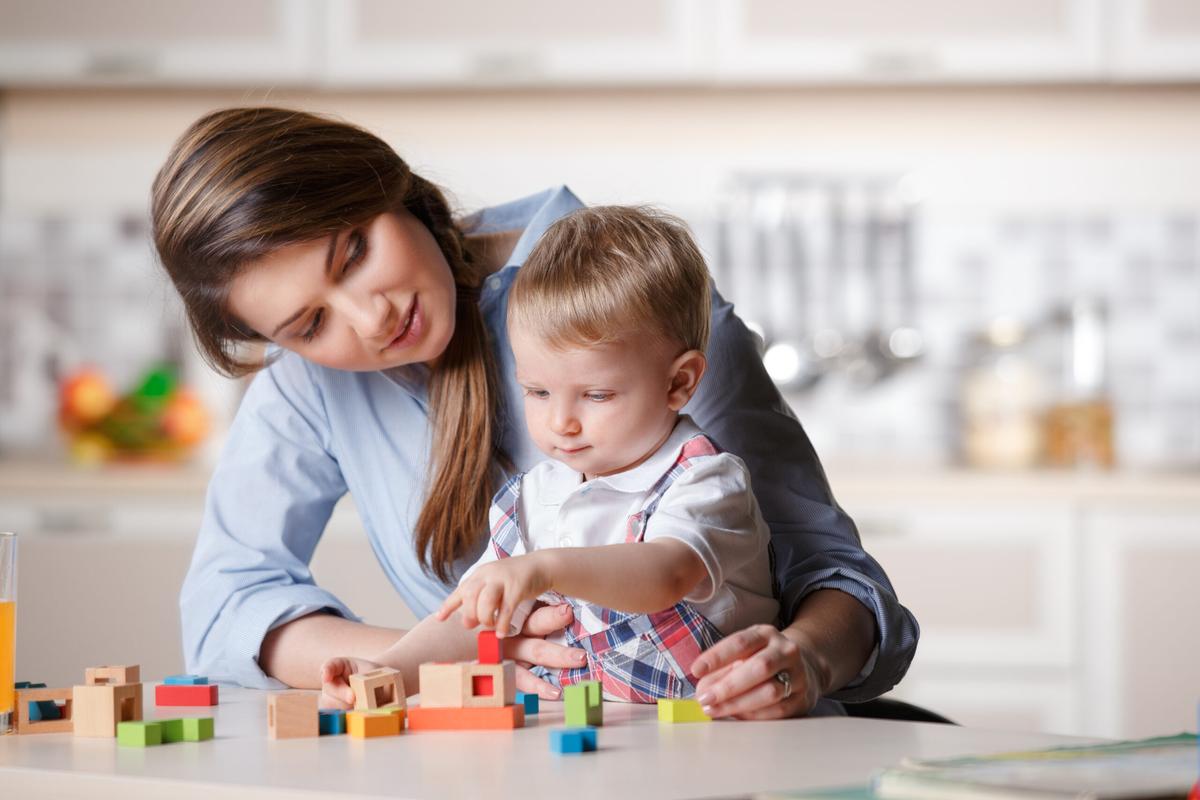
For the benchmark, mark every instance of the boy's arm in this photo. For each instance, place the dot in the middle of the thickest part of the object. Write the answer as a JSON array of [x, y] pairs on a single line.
[[639, 577]]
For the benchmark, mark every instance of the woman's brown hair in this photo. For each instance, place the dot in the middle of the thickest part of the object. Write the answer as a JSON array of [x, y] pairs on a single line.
[[241, 183]]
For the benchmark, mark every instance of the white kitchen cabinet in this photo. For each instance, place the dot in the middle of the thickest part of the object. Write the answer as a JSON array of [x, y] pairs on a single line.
[[1155, 40], [877, 41], [145, 42], [526, 42]]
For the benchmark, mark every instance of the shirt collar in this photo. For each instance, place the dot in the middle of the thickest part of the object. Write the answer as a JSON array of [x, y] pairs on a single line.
[[533, 214], [564, 480]]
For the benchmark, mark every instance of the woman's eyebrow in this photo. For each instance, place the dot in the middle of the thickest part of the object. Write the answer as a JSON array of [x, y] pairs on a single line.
[[333, 237]]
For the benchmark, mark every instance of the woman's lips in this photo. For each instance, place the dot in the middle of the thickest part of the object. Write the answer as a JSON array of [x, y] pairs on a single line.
[[410, 330]]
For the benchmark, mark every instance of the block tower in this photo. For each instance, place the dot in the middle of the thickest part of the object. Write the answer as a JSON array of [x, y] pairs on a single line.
[[468, 695]]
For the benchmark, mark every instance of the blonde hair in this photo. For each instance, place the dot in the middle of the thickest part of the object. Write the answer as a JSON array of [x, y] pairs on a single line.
[[602, 274], [243, 182]]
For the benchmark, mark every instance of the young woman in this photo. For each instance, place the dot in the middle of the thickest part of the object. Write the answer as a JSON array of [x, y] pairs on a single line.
[[389, 375]]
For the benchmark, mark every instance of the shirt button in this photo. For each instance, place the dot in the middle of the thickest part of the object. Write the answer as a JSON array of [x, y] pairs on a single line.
[[493, 282]]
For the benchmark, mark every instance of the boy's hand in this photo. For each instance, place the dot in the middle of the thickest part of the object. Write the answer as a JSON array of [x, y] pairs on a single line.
[[492, 593], [335, 681]]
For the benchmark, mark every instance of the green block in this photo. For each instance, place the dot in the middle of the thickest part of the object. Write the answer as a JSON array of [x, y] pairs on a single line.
[[583, 705], [172, 730], [139, 734], [197, 729]]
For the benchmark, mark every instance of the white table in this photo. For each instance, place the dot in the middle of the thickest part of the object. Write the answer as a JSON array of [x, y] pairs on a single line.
[[637, 758]]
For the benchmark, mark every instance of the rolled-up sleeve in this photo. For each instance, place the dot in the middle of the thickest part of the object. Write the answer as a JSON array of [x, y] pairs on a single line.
[[816, 544], [268, 502]]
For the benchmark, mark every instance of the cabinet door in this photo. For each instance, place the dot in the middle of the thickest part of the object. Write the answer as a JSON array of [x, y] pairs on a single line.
[[879, 41], [232, 42], [1156, 40], [1142, 664], [465, 43], [990, 585]]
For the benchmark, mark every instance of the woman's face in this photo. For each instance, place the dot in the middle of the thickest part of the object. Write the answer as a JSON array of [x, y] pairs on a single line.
[[371, 297]]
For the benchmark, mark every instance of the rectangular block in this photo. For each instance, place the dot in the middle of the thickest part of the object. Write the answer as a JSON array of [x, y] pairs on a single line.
[[99, 676], [583, 704], [198, 729], [489, 648], [332, 722], [681, 710], [573, 740], [372, 722], [185, 680], [25, 697], [100, 707], [202, 695], [444, 685], [380, 687], [172, 730], [527, 700], [491, 685], [459, 719], [139, 734], [292, 715]]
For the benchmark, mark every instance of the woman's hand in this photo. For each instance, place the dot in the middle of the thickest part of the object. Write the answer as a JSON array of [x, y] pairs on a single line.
[[491, 594], [738, 675], [531, 648], [335, 681]]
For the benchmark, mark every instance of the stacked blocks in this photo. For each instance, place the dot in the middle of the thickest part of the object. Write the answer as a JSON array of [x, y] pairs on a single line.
[[681, 711], [529, 701], [164, 731], [292, 715], [109, 696], [583, 704], [470, 694], [573, 740]]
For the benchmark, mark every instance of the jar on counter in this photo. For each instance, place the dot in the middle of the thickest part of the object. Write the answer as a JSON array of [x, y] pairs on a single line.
[[1003, 393]]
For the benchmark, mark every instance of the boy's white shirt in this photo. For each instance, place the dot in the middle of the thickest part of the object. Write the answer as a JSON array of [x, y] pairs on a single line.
[[710, 507]]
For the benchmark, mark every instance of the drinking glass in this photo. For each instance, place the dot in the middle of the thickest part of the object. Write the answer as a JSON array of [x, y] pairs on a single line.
[[8, 629]]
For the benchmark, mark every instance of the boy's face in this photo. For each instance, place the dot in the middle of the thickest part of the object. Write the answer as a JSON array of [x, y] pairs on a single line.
[[602, 409]]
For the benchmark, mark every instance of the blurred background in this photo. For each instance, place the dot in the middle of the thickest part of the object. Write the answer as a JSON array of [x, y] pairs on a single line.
[[968, 233]]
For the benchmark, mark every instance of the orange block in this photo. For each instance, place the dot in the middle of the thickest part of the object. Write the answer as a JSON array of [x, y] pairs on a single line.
[[457, 719], [369, 724]]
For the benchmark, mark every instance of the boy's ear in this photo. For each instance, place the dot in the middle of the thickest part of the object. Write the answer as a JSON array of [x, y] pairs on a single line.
[[686, 372]]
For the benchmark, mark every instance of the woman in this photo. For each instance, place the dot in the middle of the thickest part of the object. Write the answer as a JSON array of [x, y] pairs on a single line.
[[389, 376]]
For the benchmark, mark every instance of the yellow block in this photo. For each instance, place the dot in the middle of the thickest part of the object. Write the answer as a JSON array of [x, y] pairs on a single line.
[[367, 724], [681, 711]]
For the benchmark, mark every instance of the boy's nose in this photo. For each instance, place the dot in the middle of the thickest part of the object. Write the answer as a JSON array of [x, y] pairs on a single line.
[[564, 422]]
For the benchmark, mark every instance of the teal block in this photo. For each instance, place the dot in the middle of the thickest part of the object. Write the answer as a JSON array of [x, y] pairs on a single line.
[[139, 734], [197, 729], [331, 722], [573, 740], [529, 700], [583, 704], [185, 680]]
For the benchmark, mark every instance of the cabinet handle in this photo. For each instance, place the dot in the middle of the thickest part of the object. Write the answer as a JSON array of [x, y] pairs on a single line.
[[504, 65], [900, 62]]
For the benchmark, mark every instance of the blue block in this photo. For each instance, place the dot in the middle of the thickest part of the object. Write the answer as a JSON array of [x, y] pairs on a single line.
[[331, 722], [27, 685], [185, 680], [573, 740], [529, 700]]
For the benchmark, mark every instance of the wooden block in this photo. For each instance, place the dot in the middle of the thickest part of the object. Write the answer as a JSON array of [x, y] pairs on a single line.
[[459, 719], [370, 723], [100, 707], [139, 734], [490, 685], [681, 710], [331, 722], [26, 696], [380, 687], [203, 695], [528, 700], [573, 740], [42, 710], [98, 676], [197, 729], [583, 704], [444, 685], [185, 680], [489, 648], [292, 715]]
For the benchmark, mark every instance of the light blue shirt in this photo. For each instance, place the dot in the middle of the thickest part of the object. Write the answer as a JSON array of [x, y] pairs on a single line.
[[305, 435]]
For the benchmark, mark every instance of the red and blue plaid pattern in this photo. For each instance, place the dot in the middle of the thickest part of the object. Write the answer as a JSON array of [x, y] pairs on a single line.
[[639, 658]]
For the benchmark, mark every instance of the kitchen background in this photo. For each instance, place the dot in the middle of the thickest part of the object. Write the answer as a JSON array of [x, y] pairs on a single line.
[[969, 234]]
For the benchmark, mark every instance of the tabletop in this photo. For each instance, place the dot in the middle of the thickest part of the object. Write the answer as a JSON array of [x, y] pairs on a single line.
[[637, 757]]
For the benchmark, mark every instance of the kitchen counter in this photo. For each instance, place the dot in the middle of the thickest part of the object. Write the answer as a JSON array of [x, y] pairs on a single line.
[[637, 758]]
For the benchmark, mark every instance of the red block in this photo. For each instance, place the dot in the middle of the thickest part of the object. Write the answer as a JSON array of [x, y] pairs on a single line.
[[203, 695], [489, 648], [459, 719]]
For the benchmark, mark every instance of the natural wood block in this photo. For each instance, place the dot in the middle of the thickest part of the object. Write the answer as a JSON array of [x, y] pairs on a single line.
[[100, 707], [374, 722], [292, 715], [64, 696], [489, 648], [490, 685], [681, 710], [98, 676], [444, 685], [380, 687], [139, 734], [203, 695], [453, 719]]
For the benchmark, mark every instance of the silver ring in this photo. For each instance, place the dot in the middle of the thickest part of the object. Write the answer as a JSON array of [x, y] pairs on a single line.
[[783, 677]]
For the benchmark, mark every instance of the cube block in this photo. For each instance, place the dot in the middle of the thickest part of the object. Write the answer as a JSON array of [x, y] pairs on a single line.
[[573, 740], [444, 685], [99, 707], [583, 704], [331, 722], [292, 715], [681, 710], [139, 734], [201, 695], [453, 719], [528, 700], [371, 723], [380, 687], [491, 685], [198, 729], [489, 648]]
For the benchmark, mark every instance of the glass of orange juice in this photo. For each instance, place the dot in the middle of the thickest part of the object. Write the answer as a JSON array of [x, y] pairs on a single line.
[[8, 629]]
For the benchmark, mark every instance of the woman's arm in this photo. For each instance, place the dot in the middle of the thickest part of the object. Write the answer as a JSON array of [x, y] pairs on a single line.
[[293, 653]]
